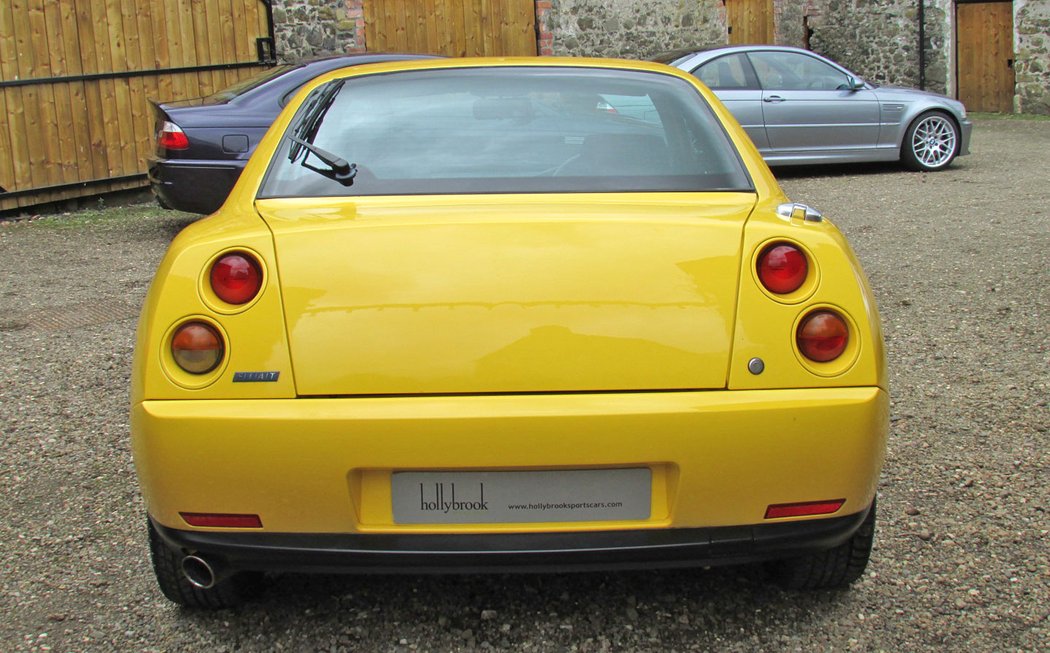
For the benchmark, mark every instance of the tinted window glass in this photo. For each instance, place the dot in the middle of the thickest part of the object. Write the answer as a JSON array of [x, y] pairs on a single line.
[[790, 71], [245, 85], [674, 57], [508, 130], [725, 73]]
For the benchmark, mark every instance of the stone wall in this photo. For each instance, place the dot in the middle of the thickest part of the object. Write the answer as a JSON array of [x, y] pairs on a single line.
[[1032, 50], [879, 39], [632, 29], [306, 29]]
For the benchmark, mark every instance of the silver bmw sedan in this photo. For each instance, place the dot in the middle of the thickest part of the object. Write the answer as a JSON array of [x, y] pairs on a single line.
[[802, 108]]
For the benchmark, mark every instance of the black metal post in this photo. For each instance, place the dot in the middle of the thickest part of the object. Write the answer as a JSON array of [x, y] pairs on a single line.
[[922, 45]]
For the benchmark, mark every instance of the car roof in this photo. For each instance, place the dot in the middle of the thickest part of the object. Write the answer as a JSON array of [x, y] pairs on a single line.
[[680, 53], [334, 61]]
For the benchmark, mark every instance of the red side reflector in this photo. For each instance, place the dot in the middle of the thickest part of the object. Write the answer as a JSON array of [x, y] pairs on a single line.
[[804, 509], [213, 520]]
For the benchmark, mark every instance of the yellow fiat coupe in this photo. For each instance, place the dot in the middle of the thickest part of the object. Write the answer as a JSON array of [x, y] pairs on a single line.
[[494, 314]]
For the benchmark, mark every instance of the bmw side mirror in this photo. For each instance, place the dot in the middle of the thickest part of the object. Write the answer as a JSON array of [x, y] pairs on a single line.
[[855, 84]]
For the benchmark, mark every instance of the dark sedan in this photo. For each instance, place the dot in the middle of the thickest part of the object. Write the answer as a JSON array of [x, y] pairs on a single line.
[[203, 144]]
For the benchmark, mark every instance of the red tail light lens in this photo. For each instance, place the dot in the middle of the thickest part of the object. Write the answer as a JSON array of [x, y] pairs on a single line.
[[236, 278], [197, 347], [822, 336], [782, 268], [171, 137]]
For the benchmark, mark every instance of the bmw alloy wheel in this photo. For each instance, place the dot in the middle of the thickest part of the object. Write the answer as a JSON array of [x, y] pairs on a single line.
[[931, 142]]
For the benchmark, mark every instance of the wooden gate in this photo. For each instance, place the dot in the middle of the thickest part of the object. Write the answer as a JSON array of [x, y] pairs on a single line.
[[76, 77], [455, 28], [985, 55], [749, 21]]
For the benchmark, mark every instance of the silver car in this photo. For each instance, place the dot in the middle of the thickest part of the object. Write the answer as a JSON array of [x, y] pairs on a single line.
[[801, 108]]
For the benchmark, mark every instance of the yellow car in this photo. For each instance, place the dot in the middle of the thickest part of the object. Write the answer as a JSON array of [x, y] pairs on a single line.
[[491, 314]]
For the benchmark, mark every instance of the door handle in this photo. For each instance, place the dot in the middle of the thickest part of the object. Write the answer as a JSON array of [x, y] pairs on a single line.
[[774, 99]]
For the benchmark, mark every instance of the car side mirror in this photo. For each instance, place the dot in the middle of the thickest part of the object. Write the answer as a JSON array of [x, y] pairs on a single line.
[[855, 84]]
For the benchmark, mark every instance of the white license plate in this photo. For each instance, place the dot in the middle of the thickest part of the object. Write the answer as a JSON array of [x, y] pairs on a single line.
[[520, 497]]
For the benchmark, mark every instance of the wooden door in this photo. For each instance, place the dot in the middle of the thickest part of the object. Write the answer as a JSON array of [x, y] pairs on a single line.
[[986, 55], [749, 21], [455, 28]]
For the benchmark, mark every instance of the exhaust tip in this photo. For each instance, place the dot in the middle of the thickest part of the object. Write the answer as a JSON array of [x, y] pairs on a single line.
[[198, 572]]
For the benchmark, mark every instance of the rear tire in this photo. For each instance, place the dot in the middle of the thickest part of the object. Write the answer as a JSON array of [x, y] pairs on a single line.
[[931, 142], [226, 593], [834, 568]]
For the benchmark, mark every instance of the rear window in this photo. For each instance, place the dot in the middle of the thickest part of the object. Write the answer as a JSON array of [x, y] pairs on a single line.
[[504, 130], [245, 85]]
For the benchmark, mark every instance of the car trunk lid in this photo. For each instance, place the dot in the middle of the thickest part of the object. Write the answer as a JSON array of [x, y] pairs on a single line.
[[446, 295]]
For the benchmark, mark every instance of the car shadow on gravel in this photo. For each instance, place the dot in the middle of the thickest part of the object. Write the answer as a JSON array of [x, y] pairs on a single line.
[[838, 170], [546, 610]]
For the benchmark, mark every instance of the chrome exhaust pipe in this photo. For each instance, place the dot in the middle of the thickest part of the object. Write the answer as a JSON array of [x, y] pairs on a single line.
[[201, 573]]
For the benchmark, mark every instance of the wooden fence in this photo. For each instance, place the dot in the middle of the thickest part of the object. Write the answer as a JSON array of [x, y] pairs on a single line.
[[455, 28], [76, 78]]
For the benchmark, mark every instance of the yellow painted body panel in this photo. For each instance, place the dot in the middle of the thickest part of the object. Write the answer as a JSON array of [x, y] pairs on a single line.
[[256, 338], [765, 325], [323, 465], [509, 293]]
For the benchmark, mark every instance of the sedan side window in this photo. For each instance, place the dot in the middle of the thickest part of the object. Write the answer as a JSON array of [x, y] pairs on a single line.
[[790, 71], [728, 73]]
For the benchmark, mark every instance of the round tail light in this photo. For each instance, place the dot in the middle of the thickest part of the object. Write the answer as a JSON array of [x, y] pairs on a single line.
[[197, 347], [822, 336], [236, 278], [782, 268]]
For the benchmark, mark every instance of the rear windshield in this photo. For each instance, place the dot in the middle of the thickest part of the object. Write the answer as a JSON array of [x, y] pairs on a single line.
[[504, 130], [245, 85]]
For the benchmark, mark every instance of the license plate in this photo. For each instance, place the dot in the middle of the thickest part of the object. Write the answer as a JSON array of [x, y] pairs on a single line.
[[521, 497]]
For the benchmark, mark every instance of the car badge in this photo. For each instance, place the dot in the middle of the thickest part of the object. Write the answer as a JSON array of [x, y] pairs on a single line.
[[255, 377]]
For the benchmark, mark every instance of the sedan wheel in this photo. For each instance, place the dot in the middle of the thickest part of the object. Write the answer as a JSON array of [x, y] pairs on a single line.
[[931, 143]]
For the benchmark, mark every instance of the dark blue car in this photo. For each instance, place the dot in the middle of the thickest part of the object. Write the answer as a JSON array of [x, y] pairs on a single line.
[[203, 144]]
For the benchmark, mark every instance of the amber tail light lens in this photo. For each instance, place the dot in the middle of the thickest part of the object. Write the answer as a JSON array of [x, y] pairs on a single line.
[[782, 268], [822, 336], [236, 278], [197, 347]]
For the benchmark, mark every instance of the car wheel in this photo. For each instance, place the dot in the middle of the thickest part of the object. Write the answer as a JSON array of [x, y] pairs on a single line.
[[931, 142], [836, 567], [225, 593]]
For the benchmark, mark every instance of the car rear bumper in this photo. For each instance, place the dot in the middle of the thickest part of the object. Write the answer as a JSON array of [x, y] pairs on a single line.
[[191, 185], [319, 467], [508, 552]]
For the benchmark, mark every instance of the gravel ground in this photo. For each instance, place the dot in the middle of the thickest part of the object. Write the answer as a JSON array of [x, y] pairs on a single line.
[[959, 262]]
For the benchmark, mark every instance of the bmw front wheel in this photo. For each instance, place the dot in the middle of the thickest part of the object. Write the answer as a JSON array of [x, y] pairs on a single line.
[[931, 142]]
